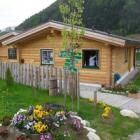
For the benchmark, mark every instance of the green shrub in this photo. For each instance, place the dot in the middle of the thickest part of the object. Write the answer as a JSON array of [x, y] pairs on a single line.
[[9, 79], [119, 88], [6, 121], [133, 89]]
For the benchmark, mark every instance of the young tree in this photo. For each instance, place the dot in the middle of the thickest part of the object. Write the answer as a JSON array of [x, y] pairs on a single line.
[[71, 11], [9, 78]]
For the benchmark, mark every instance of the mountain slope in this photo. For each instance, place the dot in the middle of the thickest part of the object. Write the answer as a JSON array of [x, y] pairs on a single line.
[[116, 16]]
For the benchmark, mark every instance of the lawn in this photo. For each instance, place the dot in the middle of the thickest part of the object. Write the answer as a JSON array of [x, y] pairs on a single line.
[[19, 96], [136, 81], [138, 56]]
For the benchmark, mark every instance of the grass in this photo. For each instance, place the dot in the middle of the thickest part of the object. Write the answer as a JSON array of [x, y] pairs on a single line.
[[138, 56], [136, 81], [19, 96]]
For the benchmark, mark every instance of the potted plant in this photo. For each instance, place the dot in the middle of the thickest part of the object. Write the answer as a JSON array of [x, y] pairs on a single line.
[[133, 91]]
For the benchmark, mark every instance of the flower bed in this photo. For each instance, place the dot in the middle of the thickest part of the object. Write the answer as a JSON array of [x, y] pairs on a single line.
[[119, 91], [106, 113], [49, 122]]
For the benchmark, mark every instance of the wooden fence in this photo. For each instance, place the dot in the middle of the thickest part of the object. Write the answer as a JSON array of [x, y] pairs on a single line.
[[36, 76]]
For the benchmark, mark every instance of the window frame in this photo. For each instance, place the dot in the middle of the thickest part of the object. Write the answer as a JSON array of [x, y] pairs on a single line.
[[12, 57], [94, 68], [48, 49]]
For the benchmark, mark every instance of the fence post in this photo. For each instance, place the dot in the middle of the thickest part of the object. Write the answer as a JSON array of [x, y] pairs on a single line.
[[78, 91], [47, 77], [95, 97], [0, 69], [60, 81], [65, 88]]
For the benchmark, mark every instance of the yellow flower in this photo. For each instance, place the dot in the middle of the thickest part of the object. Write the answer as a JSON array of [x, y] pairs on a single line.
[[39, 107], [107, 109], [40, 127], [62, 113], [106, 112], [47, 113], [105, 115], [91, 100]]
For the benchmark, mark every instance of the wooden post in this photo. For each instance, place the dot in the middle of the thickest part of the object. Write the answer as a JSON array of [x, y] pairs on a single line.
[[78, 91], [95, 98], [53, 90], [65, 88], [60, 81], [47, 77]]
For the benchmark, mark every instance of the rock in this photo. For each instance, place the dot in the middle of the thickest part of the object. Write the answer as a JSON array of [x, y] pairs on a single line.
[[85, 123], [93, 136], [128, 113], [76, 117], [73, 113], [90, 129], [22, 110], [0, 124]]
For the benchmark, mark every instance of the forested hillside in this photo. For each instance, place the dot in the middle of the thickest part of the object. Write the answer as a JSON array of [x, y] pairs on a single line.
[[116, 16]]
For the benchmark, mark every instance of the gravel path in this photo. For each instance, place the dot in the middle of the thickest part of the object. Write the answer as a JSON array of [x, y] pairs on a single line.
[[119, 101]]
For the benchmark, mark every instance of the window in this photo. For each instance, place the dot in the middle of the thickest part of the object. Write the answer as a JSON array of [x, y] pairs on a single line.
[[12, 53], [125, 55], [90, 59], [47, 57]]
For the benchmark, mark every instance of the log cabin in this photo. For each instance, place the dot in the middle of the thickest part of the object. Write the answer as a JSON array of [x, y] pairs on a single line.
[[3, 49], [115, 55]]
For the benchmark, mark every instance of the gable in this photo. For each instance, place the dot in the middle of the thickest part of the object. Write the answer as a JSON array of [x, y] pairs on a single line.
[[92, 34]]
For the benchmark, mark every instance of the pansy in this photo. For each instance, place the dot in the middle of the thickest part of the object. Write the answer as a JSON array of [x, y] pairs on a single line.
[[18, 119], [46, 137], [40, 127]]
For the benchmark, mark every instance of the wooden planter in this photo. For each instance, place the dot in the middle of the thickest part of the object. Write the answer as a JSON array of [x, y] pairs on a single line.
[[132, 95]]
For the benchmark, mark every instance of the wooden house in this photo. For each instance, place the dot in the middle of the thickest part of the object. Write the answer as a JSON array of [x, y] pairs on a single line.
[[42, 45], [3, 49]]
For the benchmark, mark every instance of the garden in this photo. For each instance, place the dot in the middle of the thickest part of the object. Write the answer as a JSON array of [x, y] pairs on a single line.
[[106, 120], [30, 113], [132, 89]]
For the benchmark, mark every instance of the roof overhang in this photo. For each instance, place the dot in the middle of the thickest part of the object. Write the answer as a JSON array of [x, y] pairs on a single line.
[[100, 36], [7, 35]]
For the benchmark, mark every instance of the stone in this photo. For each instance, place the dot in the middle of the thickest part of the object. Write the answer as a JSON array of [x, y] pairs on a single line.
[[77, 117], [73, 113], [90, 129], [85, 123], [93, 136], [128, 113], [20, 111]]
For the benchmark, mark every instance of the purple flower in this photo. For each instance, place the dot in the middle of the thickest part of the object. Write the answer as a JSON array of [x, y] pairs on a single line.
[[46, 137], [29, 125], [18, 119], [77, 124]]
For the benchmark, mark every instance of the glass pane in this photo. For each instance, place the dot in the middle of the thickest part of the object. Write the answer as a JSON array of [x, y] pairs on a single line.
[[47, 56], [91, 59], [12, 53]]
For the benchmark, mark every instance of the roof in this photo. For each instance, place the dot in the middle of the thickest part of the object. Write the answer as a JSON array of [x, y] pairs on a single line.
[[7, 35], [89, 33]]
